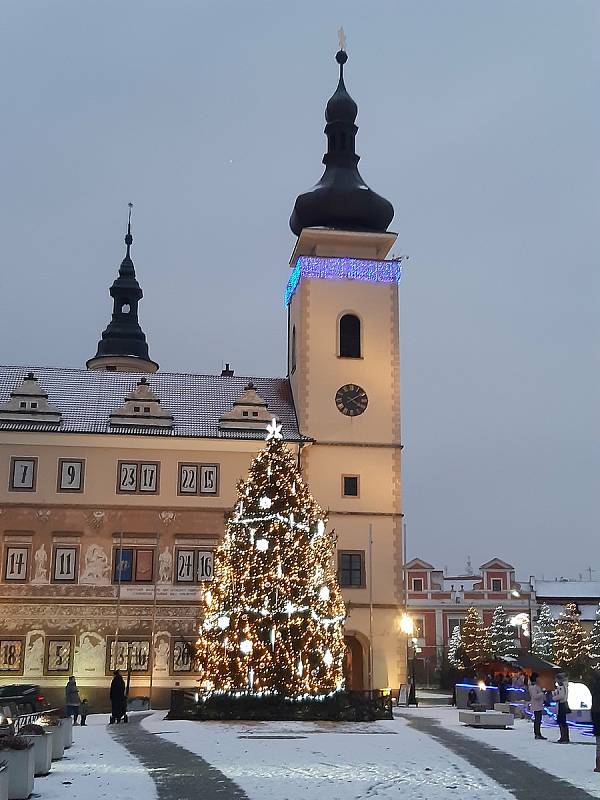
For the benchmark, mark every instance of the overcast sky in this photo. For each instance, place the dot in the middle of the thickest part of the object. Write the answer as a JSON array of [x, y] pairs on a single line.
[[480, 121]]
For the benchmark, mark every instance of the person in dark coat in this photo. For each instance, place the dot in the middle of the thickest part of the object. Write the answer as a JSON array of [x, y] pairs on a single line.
[[117, 698], [72, 699], [595, 689], [561, 695]]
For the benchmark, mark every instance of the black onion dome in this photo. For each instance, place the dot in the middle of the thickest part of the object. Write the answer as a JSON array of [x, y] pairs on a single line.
[[340, 105], [341, 199], [124, 337]]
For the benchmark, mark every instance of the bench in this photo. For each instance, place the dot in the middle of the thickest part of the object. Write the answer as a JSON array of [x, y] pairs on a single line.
[[486, 719]]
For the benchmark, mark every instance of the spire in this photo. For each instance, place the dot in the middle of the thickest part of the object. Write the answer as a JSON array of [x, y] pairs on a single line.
[[341, 199], [123, 346]]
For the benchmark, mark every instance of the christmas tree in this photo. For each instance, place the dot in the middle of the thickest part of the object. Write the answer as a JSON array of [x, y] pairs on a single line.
[[594, 643], [455, 650], [543, 633], [473, 638], [570, 641], [501, 635], [274, 616]]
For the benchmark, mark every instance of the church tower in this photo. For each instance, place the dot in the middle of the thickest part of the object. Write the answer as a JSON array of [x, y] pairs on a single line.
[[343, 365], [123, 346]]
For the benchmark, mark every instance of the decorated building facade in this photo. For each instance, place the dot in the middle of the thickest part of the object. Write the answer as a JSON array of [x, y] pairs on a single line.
[[116, 479]]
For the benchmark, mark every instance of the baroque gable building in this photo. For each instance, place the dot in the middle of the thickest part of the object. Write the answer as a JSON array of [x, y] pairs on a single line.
[[116, 480]]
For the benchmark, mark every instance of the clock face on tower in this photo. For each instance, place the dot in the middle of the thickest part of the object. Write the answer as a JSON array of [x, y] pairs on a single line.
[[351, 400]]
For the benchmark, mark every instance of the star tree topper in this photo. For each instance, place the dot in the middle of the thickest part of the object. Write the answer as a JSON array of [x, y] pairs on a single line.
[[274, 430]]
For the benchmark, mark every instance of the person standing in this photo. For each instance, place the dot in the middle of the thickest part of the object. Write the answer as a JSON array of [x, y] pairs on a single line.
[[83, 710], [595, 689], [560, 694], [536, 694], [72, 700], [117, 697]]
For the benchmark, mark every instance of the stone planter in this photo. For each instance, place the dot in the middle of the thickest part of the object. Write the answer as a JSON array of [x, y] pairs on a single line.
[[42, 752], [4, 783], [58, 742], [67, 728], [21, 767]]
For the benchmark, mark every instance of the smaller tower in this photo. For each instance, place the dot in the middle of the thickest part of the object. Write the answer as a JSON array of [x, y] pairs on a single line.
[[123, 346]]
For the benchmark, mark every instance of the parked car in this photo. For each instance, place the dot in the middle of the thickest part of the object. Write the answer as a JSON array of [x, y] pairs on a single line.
[[26, 697]]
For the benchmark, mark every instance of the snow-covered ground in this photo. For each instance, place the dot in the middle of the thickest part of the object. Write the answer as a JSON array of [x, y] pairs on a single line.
[[330, 761], [96, 767], [573, 763]]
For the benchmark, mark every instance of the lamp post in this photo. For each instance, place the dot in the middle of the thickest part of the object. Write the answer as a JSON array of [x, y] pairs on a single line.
[[407, 627]]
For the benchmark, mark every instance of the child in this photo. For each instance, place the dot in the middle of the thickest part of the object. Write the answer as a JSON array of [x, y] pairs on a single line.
[[83, 710]]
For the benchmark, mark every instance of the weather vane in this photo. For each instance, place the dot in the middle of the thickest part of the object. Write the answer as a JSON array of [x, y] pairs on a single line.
[[130, 207], [342, 39]]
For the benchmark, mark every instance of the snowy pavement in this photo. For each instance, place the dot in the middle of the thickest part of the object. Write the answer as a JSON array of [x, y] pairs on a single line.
[[573, 763], [330, 761], [95, 767]]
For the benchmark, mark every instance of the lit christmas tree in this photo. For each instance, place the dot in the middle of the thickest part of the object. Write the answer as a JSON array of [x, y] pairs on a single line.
[[473, 638], [543, 633], [274, 616], [594, 643], [455, 650], [570, 642], [501, 635]]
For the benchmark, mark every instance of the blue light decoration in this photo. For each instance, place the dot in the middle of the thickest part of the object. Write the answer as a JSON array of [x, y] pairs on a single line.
[[354, 269]]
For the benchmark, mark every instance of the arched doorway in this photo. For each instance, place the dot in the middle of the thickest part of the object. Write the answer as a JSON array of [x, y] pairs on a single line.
[[354, 664]]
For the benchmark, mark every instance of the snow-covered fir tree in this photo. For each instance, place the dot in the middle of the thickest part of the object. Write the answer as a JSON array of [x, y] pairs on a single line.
[[543, 633], [571, 642], [594, 643], [473, 638], [455, 652], [274, 616], [501, 635]]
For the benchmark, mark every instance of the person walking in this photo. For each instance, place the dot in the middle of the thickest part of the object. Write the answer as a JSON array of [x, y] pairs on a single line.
[[536, 693], [117, 697], [560, 694], [595, 689], [72, 700]]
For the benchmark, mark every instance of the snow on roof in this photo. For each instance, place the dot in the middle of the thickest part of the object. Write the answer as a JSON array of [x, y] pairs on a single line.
[[87, 398], [564, 589]]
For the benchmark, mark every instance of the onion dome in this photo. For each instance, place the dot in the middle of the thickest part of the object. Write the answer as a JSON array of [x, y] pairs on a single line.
[[341, 199], [123, 346]]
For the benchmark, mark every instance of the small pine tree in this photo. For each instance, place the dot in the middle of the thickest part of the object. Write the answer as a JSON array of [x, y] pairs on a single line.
[[594, 643], [543, 633], [571, 642], [455, 649], [501, 635], [473, 638]]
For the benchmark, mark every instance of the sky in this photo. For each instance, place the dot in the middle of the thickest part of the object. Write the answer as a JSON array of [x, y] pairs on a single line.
[[480, 121]]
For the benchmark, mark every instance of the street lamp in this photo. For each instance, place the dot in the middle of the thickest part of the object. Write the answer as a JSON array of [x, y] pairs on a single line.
[[407, 627]]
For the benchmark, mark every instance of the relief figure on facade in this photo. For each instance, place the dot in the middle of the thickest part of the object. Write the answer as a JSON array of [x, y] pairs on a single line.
[[91, 654], [165, 566], [96, 568], [161, 655], [34, 653], [41, 565]]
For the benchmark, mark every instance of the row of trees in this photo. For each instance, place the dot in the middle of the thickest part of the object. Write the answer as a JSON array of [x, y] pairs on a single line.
[[566, 642], [563, 641]]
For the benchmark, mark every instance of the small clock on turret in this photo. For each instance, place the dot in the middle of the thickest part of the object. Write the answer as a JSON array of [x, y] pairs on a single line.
[[351, 400]]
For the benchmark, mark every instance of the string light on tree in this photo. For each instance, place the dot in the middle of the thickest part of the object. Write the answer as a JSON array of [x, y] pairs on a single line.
[[570, 641], [543, 633], [501, 635], [594, 643], [275, 584]]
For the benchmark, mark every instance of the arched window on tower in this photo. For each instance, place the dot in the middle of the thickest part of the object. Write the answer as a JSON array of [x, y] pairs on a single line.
[[293, 351], [349, 338]]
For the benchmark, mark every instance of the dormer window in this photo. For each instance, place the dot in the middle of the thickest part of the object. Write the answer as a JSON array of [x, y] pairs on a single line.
[[142, 415], [496, 584], [249, 412], [28, 402], [417, 584]]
